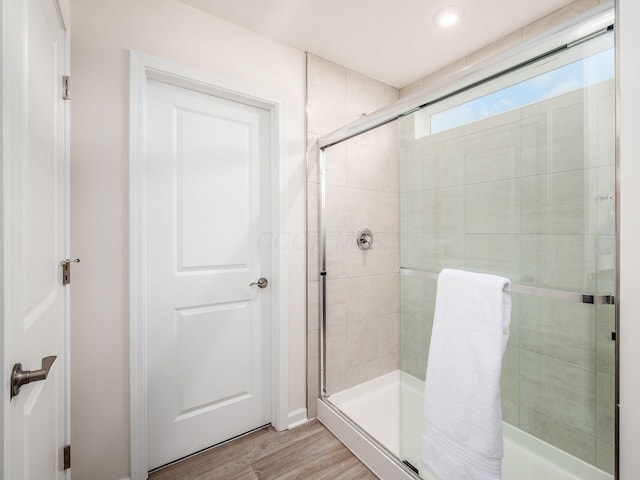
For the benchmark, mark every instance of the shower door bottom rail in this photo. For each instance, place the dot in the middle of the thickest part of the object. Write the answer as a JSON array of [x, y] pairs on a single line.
[[530, 290]]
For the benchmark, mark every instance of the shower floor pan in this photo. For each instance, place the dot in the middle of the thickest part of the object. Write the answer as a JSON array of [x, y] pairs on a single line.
[[374, 406]]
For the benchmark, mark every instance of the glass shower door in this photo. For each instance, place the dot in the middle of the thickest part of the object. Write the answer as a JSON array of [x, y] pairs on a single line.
[[360, 281], [516, 177]]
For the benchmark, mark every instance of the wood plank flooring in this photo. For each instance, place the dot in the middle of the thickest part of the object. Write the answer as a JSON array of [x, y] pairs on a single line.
[[309, 452]]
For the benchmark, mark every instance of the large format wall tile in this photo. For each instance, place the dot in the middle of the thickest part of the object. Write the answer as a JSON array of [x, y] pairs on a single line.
[[511, 412], [443, 210], [336, 166], [533, 143], [605, 456], [538, 207], [564, 203], [605, 154], [444, 164], [410, 170], [336, 201], [438, 251], [510, 379], [606, 264], [525, 308], [337, 301], [566, 138], [493, 154], [493, 253], [493, 207], [326, 110], [605, 408], [560, 390], [567, 332], [362, 179], [558, 434], [568, 262], [605, 345], [326, 74]]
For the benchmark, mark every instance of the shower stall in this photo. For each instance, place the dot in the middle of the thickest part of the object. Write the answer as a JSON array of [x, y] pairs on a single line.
[[510, 169]]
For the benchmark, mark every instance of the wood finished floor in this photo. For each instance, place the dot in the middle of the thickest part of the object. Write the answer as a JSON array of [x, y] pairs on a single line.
[[309, 452]]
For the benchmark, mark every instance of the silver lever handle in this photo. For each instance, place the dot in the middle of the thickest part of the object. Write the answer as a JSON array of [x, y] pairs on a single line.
[[262, 283], [21, 377], [68, 260]]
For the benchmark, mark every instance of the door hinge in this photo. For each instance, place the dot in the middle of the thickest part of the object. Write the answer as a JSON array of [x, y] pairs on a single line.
[[66, 270], [66, 87], [66, 457]]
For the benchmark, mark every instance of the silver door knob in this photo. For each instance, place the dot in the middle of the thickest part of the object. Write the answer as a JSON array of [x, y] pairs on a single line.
[[21, 377], [262, 283]]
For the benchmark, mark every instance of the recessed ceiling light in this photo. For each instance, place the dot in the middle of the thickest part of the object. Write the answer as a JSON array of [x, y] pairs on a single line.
[[448, 16]]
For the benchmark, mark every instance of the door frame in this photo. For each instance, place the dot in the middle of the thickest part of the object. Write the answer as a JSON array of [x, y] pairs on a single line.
[[142, 69], [64, 16]]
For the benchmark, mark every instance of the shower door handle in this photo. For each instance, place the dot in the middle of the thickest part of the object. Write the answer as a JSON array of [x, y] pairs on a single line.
[[261, 283]]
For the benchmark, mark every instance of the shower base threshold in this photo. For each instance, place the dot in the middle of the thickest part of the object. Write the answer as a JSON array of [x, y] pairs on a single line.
[[373, 407]]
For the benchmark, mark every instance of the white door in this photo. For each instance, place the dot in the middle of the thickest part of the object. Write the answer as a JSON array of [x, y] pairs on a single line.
[[35, 235], [207, 239]]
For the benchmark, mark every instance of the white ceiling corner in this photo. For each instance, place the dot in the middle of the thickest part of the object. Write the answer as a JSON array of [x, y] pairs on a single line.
[[393, 41]]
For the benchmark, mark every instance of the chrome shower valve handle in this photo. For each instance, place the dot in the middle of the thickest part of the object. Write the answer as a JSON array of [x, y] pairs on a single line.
[[364, 239]]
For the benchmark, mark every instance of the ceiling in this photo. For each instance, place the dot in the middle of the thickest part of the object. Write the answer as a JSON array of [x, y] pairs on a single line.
[[393, 41]]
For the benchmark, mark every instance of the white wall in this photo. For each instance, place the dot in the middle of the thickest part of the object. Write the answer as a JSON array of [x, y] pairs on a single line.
[[103, 33], [629, 294]]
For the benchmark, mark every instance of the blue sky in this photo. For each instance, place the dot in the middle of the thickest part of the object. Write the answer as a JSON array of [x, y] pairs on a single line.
[[573, 76]]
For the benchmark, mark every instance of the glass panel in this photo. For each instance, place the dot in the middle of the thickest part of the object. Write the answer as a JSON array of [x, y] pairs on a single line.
[[361, 191], [516, 178], [576, 75], [523, 188]]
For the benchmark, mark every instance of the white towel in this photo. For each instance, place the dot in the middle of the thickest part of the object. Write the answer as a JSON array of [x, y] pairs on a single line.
[[462, 436]]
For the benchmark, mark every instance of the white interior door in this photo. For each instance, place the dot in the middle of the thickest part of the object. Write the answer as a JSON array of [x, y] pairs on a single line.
[[207, 239], [35, 234]]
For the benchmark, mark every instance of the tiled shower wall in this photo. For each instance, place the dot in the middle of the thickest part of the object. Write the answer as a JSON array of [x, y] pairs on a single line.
[[362, 191], [528, 194]]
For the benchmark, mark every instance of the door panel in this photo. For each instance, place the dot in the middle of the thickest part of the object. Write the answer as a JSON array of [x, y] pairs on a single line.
[[36, 166], [206, 335], [213, 170], [207, 330]]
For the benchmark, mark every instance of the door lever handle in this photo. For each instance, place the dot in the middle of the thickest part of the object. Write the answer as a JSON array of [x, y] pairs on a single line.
[[262, 283], [21, 377]]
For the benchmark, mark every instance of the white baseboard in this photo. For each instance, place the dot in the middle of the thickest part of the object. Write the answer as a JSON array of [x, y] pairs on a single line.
[[297, 418]]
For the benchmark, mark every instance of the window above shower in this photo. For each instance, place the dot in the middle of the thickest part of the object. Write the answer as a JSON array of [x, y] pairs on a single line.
[[567, 71]]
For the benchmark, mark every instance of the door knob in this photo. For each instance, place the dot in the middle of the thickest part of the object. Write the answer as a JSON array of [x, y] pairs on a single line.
[[262, 283], [21, 377]]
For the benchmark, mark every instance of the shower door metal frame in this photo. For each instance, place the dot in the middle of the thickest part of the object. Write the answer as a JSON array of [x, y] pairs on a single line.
[[322, 251], [582, 28]]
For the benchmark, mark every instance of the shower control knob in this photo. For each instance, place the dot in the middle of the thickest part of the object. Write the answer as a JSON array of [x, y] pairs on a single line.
[[364, 239]]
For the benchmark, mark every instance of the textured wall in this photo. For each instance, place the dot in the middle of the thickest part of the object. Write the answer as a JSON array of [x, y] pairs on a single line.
[[527, 194], [362, 191]]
